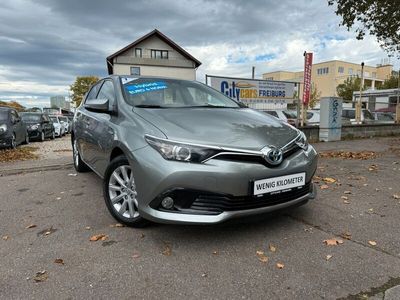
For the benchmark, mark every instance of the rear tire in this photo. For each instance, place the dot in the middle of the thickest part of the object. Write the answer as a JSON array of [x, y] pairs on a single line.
[[79, 165], [119, 191]]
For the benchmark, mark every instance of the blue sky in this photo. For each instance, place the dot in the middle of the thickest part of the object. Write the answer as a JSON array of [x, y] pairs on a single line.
[[46, 44]]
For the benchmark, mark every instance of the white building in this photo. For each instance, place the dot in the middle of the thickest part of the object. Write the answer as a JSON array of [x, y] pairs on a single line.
[[153, 55]]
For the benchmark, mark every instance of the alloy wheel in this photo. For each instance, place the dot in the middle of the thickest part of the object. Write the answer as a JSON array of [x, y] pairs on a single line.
[[122, 192], [42, 137], [75, 153]]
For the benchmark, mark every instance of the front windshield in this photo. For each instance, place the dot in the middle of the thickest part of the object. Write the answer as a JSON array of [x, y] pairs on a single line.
[[171, 93], [31, 117]]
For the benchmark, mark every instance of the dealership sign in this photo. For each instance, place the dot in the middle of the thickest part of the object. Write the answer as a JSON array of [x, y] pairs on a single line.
[[258, 94], [307, 77]]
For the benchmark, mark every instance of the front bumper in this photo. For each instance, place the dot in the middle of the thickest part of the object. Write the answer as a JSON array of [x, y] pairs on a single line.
[[156, 177], [5, 141], [34, 134]]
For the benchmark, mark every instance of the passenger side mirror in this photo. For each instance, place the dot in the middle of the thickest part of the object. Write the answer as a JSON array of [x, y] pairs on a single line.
[[98, 105]]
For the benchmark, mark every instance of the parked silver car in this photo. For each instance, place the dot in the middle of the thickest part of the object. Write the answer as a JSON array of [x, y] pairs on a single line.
[[176, 151]]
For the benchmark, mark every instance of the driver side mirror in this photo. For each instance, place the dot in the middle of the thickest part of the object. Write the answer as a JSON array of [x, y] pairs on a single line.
[[98, 105]]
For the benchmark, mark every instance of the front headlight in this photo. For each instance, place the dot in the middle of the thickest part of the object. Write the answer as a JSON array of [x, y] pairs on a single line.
[[301, 141], [35, 127], [3, 128], [180, 151]]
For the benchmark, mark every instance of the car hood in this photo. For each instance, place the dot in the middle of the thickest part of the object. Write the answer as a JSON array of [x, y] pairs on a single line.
[[226, 127]]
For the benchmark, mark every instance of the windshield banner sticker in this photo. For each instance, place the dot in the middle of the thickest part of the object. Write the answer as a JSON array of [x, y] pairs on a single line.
[[146, 87]]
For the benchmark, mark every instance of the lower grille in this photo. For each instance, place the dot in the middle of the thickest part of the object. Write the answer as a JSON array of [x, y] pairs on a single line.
[[217, 204]]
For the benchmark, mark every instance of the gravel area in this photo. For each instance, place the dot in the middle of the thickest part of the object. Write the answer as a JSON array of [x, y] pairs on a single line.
[[53, 149]]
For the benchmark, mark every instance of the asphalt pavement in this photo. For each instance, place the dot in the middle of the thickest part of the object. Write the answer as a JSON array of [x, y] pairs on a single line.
[[48, 217]]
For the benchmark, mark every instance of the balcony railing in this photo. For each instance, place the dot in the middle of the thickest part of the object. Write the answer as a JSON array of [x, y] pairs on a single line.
[[150, 61]]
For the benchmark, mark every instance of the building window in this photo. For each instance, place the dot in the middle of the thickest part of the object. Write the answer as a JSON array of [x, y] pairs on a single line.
[[350, 71], [138, 52], [341, 70], [373, 74], [322, 71], [135, 71], [159, 54]]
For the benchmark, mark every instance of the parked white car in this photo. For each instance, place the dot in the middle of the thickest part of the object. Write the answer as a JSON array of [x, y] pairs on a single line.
[[66, 123], [290, 116], [349, 116], [59, 128]]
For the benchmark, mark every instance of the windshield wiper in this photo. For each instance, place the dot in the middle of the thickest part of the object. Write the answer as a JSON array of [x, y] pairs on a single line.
[[149, 106]]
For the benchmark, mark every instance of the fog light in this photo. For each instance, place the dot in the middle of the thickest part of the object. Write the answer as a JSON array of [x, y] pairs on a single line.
[[167, 203]]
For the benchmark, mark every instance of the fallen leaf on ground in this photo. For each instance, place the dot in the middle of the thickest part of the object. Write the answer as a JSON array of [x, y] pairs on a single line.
[[5, 237], [204, 275], [344, 197], [346, 202], [72, 174], [59, 261], [167, 250], [98, 237], [329, 180], [136, 255], [272, 248], [362, 155], [142, 235], [21, 153], [372, 243], [333, 242], [117, 225], [261, 256], [87, 227], [395, 196], [347, 192], [215, 252], [30, 226], [324, 187], [373, 168], [346, 235], [41, 276], [328, 257], [280, 265]]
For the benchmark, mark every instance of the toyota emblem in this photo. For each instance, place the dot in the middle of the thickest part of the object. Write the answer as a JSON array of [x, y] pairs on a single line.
[[272, 155]]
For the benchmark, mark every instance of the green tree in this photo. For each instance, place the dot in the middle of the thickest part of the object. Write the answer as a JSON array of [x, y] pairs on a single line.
[[380, 18], [391, 83], [314, 96], [80, 87], [346, 89]]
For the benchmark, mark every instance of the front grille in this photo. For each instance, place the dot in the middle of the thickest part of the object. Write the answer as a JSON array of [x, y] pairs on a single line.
[[216, 204], [288, 151]]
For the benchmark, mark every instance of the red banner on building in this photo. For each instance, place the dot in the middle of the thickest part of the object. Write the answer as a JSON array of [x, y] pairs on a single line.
[[307, 77]]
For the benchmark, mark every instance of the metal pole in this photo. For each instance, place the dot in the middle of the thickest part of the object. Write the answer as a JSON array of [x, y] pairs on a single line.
[[398, 95], [358, 107], [253, 71]]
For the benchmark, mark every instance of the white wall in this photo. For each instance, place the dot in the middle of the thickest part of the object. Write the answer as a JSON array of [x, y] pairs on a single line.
[[180, 73]]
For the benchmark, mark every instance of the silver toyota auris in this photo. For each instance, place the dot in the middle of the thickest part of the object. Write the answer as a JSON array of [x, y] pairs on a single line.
[[176, 151]]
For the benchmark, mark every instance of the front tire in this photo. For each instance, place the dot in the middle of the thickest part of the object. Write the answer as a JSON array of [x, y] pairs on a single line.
[[79, 165], [53, 135], [120, 194], [42, 136], [13, 143]]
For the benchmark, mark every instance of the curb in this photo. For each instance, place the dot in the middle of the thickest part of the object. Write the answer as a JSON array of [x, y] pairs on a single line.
[[8, 172]]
